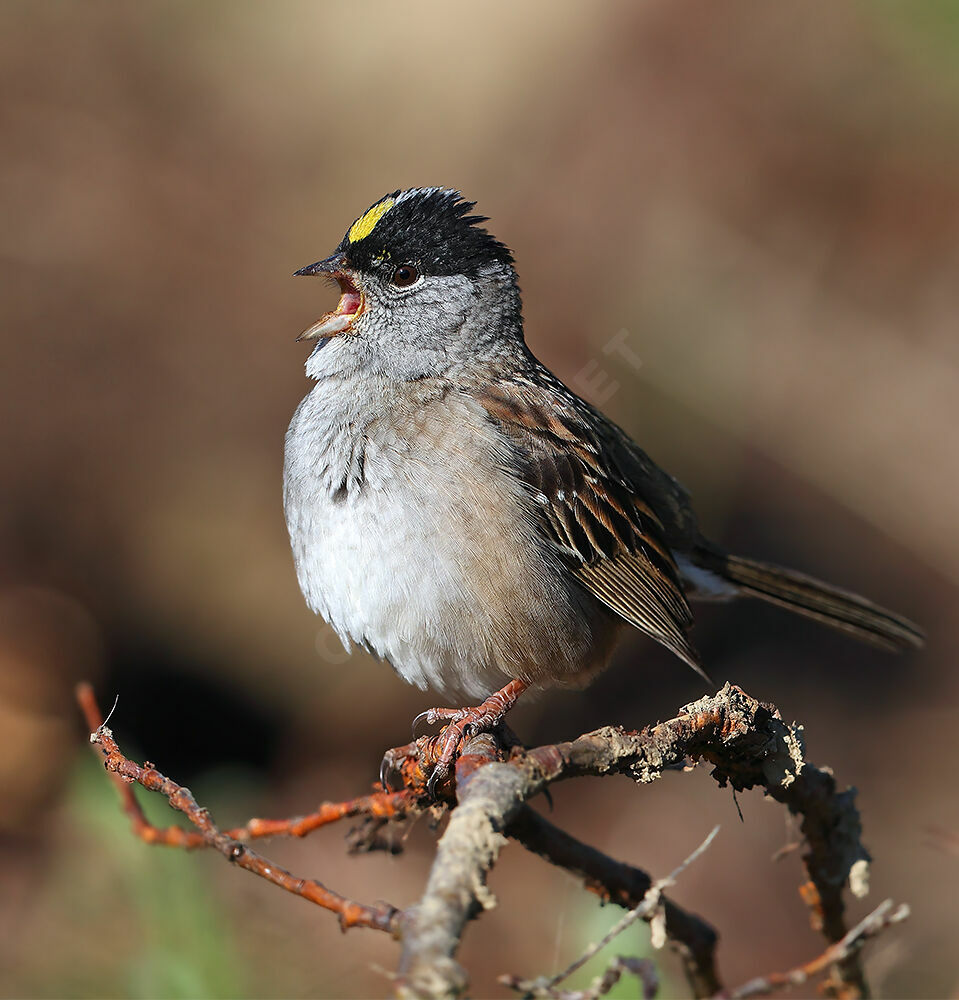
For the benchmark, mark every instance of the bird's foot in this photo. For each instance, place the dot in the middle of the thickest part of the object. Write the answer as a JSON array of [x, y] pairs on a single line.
[[401, 763], [463, 724]]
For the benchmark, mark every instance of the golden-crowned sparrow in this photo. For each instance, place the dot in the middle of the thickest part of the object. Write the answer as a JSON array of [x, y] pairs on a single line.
[[459, 512]]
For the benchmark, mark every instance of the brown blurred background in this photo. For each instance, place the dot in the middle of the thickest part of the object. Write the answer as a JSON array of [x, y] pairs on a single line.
[[765, 198]]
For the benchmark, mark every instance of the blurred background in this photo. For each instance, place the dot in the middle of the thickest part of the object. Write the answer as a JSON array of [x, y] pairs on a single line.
[[737, 230]]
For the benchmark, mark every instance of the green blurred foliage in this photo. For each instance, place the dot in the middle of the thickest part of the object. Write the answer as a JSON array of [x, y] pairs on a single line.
[[154, 912]]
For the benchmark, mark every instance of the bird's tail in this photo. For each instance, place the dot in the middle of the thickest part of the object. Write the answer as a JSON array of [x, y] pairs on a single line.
[[808, 596]]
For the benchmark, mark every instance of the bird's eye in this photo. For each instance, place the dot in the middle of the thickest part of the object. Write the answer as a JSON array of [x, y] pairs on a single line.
[[404, 276]]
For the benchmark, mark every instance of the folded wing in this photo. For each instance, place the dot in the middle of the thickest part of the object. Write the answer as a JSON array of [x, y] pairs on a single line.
[[601, 502]]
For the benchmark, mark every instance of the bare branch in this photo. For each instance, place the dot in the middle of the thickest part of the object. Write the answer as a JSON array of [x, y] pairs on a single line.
[[380, 917], [642, 968], [378, 806], [688, 935], [489, 797], [748, 744], [648, 906], [882, 916]]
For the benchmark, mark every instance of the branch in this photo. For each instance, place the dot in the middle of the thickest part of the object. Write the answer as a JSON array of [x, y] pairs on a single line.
[[378, 806], [882, 916], [642, 968], [748, 744], [489, 797], [689, 935], [647, 909], [381, 917]]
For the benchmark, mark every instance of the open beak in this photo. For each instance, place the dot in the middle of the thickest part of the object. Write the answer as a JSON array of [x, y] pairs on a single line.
[[352, 301]]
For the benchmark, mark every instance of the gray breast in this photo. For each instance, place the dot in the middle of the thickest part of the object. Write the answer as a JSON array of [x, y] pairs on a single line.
[[412, 538]]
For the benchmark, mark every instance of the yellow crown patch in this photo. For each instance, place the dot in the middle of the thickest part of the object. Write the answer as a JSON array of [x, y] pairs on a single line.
[[365, 224]]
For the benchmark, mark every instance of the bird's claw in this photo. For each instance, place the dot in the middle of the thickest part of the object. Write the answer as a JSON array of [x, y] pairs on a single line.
[[422, 717], [386, 767], [437, 775], [433, 715], [451, 742], [462, 724], [392, 764]]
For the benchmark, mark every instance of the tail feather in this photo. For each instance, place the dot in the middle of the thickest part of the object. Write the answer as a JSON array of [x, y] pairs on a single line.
[[812, 598]]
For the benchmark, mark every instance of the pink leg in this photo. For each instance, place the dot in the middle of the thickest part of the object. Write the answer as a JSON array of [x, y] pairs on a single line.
[[466, 722]]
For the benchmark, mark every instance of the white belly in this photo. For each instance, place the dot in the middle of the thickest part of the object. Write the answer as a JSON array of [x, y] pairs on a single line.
[[407, 552], [371, 570]]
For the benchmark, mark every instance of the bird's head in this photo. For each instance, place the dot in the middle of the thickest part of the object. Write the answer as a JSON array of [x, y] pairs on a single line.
[[422, 287]]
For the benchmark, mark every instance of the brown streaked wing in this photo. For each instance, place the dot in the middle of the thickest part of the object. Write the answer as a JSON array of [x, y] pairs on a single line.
[[592, 508]]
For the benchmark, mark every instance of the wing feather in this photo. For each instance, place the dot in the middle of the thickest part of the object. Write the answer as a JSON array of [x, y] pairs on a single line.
[[604, 505]]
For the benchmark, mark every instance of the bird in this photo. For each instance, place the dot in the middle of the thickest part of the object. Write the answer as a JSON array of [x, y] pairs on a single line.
[[459, 512]]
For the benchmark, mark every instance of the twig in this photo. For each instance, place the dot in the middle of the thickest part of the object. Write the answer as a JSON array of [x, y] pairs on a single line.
[[613, 881], [128, 801], [649, 905], [489, 797], [380, 917], [378, 805], [748, 744], [643, 968], [882, 916]]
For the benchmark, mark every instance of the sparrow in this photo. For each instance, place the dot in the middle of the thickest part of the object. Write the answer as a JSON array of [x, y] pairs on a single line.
[[457, 511]]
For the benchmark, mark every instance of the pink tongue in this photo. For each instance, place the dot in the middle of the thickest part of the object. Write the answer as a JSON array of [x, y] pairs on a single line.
[[349, 303]]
